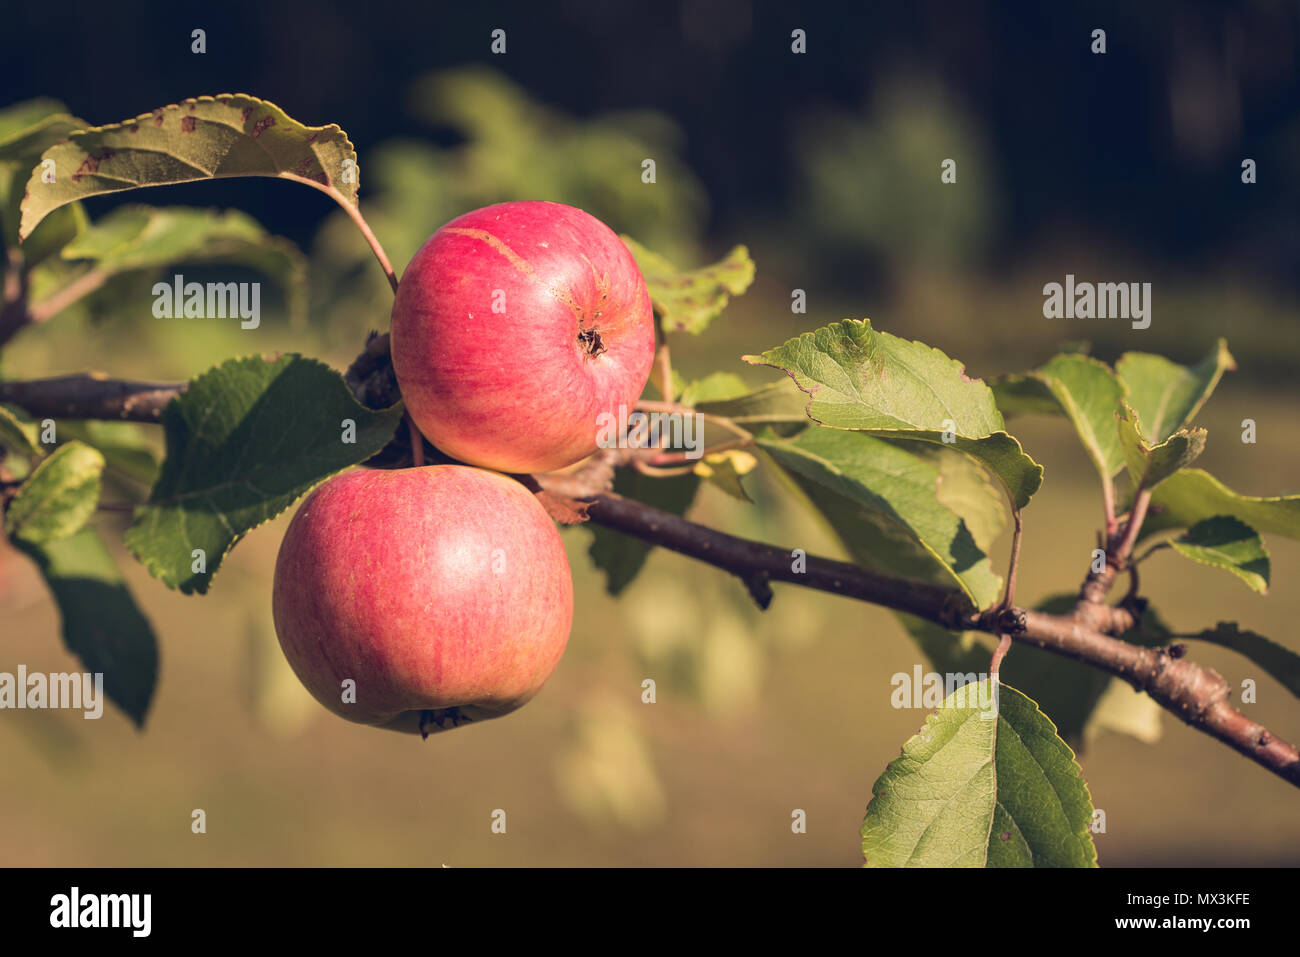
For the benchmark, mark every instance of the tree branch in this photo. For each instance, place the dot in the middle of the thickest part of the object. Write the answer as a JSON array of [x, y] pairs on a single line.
[[79, 288], [1197, 695], [91, 395]]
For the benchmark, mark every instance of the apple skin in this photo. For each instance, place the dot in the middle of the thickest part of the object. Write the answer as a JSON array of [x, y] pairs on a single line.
[[523, 389], [444, 592]]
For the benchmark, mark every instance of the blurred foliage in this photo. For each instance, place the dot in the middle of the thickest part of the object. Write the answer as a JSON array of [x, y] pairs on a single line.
[[872, 181], [511, 147], [607, 774]]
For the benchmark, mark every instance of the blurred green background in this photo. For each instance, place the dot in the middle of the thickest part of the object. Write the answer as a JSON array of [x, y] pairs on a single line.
[[757, 714]]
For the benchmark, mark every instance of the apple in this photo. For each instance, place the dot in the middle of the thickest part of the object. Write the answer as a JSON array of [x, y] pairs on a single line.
[[519, 329], [442, 594]]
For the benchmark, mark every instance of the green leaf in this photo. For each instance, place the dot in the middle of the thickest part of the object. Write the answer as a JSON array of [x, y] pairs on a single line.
[[869, 381], [61, 227], [1151, 466], [31, 121], [1194, 495], [621, 557], [882, 502], [1167, 396], [133, 238], [197, 139], [1125, 710], [1228, 543], [714, 387], [58, 497], [101, 624], [126, 449], [26, 130], [1085, 390], [244, 442], [688, 301], [965, 488], [974, 791], [1282, 663], [18, 432]]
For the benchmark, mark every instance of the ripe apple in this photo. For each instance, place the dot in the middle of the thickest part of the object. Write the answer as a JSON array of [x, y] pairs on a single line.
[[443, 593], [517, 330]]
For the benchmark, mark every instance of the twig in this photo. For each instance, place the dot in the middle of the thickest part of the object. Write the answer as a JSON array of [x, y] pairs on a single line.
[[1108, 505], [79, 288], [1197, 695], [670, 458], [1006, 619], [1134, 525], [647, 405], [1009, 596], [665, 366], [1004, 645], [13, 296], [646, 468], [92, 395]]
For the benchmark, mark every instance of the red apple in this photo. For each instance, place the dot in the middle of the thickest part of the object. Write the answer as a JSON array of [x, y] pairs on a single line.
[[518, 330], [443, 593]]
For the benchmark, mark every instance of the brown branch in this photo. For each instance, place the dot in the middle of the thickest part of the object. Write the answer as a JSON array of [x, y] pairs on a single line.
[[749, 560], [13, 296], [91, 396], [1136, 517], [79, 288], [1198, 695]]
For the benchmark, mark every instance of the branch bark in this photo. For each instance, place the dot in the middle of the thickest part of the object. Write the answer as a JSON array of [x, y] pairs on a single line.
[[1197, 695], [91, 395]]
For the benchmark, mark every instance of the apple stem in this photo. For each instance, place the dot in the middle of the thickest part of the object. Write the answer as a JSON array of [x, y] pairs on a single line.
[[417, 441], [665, 366]]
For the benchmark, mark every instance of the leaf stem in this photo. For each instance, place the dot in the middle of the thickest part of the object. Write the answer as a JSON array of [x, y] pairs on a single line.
[[1009, 596], [665, 365], [647, 469], [79, 288], [646, 405], [354, 213], [1108, 505], [1134, 525], [672, 458]]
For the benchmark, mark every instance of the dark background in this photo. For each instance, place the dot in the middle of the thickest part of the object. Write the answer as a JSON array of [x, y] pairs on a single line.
[[1144, 143]]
